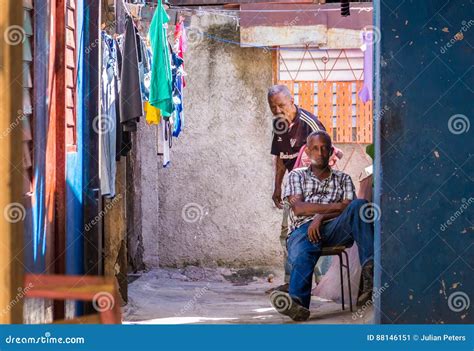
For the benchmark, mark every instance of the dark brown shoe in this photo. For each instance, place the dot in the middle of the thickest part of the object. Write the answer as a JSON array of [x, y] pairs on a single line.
[[367, 281], [285, 288], [285, 305]]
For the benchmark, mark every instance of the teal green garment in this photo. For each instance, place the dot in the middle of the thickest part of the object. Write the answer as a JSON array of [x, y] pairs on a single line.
[[370, 150], [161, 78]]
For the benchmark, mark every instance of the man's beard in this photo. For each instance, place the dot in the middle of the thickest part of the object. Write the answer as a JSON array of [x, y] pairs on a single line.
[[322, 166]]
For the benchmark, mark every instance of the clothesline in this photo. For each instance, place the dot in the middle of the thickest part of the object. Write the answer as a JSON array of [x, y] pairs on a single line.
[[191, 28], [360, 9], [227, 41], [229, 12]]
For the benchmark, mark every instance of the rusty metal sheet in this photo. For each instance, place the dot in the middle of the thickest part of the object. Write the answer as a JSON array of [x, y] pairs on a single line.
[[304, 14]]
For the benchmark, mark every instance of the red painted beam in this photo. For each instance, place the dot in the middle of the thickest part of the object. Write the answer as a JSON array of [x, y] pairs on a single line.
[[102, 291]]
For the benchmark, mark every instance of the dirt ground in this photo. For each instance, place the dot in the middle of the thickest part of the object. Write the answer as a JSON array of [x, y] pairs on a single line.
[[220, 296]]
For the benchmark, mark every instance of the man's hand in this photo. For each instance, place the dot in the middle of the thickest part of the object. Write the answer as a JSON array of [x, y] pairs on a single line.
[[277, 197], [279, 174], [314, 233]]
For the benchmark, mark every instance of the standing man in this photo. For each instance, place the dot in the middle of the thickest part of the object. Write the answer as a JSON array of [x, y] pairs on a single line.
[[291, 127]]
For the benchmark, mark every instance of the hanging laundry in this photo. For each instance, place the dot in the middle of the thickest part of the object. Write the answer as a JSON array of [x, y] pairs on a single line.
[[365, 93], [180, 38], [123, 138], [160, 86], [177, 72], [180, 41], [107, 123], [163, 141], [131, 105], [153, 115], [144, 67]]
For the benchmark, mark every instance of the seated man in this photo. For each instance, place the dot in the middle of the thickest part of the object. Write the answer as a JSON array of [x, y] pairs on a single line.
[[324, 212]]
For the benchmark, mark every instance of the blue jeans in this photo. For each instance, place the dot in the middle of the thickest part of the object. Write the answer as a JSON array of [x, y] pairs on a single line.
[[343, 230]]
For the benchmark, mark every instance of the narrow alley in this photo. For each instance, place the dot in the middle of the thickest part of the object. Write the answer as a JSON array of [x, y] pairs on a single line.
[[236, 162]]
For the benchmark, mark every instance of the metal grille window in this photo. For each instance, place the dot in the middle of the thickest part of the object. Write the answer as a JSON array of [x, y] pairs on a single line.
[[327, 82]]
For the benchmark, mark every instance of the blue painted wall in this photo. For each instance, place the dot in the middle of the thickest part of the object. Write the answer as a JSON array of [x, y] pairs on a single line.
[[37, 225], [424, 146], [74, 166]]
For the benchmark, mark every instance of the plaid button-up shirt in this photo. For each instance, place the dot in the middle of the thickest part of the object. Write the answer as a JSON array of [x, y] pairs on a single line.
[[301, 181]]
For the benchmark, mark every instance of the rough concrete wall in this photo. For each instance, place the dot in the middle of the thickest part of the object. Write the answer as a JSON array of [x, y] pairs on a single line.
[[215, 198], [133, 202], [115, 229], [146, 201]]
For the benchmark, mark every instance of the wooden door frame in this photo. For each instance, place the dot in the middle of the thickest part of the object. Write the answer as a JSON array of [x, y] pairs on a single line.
[[11, 187], [58, 9]]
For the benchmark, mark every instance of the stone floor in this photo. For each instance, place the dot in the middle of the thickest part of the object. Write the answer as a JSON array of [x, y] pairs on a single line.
[[219, 296]]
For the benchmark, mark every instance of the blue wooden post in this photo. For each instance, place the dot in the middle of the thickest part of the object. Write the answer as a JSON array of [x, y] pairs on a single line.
[[90, 100], [424, 170], [74, 164]]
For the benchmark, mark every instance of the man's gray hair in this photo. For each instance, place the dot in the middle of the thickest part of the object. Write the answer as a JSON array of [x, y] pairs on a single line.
[[277, 89]]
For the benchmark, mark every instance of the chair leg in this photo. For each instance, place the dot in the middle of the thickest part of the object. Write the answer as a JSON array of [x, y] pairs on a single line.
[[348, 278], [342, 280]]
